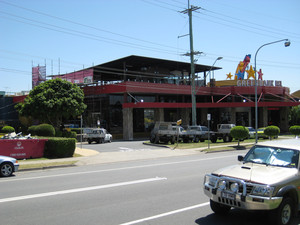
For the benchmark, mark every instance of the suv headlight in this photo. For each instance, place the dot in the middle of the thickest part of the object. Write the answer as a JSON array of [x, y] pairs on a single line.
[[211, 180], [262, 190], [234, 187], [222, 184]]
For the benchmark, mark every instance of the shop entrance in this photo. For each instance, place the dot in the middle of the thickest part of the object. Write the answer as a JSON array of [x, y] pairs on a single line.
[[273, 116], [242, 119]]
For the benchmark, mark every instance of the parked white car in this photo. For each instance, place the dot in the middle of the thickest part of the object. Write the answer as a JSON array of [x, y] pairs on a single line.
[[98, 135]]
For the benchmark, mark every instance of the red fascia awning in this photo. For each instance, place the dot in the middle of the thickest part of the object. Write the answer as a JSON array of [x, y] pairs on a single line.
[[207, 105]]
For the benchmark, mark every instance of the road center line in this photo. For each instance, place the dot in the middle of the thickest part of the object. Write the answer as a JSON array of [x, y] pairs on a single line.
[[47, 194], [166, 214]]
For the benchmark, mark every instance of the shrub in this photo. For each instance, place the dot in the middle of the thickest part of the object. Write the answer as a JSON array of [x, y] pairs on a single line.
[[59, 147], [239, 133], [45, 130], [8, 129], [32, 130], [77, 130], [58, 133], [272, 131], [69, 134], [295, 130]]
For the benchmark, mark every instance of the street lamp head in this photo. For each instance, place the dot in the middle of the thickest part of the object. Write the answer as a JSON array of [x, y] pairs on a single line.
[[219, 58], [287, 43]]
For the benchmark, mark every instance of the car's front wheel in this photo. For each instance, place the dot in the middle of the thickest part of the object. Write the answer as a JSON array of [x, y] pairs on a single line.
[[219, 208], [283, 215], [6, 169]]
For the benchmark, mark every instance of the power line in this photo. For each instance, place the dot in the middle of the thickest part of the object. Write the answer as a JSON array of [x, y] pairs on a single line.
[[87, 35], [239, 22], [87, 26], [181, 7], [247, 24], [67, 20], [251, 12], [234, 26], [159, 5], [14, 71]]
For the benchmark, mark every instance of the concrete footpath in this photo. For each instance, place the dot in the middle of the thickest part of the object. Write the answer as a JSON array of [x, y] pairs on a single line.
[[88, 157]]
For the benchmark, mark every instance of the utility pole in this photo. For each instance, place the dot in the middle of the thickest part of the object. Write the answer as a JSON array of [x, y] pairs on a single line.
[[192, 53]]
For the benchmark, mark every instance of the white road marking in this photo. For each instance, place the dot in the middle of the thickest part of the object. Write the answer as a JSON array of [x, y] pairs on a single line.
[[134, 150], [124, 149], [166, 214], [47, 194], [116, 169]]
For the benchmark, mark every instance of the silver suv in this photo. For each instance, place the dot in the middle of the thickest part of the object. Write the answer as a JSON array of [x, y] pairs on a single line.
[[267, 178]]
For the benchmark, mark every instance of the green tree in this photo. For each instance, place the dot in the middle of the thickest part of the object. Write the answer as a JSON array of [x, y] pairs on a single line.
[[52, 101], [272, 131], [294, 116], [239, 133], [295, 130], [8, 129]]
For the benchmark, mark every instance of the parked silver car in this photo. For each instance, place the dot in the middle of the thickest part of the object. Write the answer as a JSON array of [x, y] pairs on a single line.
[[8, 166]]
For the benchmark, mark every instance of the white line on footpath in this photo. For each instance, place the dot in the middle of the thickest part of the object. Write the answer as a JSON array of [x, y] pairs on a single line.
[[47, 194], [166, 214], [117, 169]]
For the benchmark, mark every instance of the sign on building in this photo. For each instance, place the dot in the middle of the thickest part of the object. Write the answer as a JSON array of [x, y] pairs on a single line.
[[38, 75]]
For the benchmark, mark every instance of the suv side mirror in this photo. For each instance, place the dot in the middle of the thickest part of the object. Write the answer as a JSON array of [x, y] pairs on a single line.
[[240, 158]]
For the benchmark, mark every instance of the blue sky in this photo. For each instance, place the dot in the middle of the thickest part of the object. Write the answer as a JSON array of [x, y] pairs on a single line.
[[81, 33]]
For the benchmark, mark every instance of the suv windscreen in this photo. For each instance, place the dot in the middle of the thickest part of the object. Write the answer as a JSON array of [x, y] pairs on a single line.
[[273, 156], [204, 128]]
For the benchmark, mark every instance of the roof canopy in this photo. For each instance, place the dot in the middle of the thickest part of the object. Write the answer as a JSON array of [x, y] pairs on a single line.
[[144, 66]]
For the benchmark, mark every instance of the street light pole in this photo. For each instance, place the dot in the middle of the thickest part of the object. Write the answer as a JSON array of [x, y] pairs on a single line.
[[219, 58], [286, 44]]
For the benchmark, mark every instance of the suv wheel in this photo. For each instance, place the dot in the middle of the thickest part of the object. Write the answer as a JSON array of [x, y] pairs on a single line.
[[152, 139], [283, 215], [219, 208], [196, 139], [213, 139], [173, 140], [156, 140]]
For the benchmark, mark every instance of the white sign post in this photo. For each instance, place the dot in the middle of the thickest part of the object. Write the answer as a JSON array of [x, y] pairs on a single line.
[[208, 122]]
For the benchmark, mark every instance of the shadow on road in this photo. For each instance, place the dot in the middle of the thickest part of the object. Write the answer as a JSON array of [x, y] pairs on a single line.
[[239, 217]]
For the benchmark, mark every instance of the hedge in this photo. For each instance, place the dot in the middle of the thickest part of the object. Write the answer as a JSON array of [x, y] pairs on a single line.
[[239, 132], [8, 129], [295, 130], [31, 130], [65, 133], [45, 130], [77, 130], [69, 134], [272, 131], [59, 147]]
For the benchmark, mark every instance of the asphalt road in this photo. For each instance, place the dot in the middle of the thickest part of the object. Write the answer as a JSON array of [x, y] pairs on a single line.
[[115, 146], [161, 191]]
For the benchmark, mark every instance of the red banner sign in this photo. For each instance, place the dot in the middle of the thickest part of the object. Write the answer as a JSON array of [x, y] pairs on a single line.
[[22, 148]]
